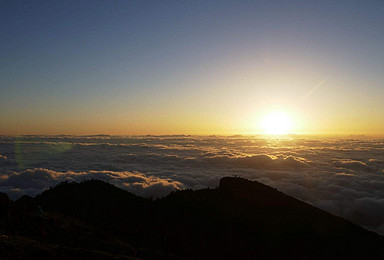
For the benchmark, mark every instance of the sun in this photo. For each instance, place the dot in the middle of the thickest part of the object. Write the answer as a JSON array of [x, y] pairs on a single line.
[[276, 123]]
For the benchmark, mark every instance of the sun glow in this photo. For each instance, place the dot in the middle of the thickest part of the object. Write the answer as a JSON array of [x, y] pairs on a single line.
[[276, 123]]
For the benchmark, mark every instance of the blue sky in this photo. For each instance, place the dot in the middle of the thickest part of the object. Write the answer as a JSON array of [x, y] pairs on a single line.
[[132, 67]]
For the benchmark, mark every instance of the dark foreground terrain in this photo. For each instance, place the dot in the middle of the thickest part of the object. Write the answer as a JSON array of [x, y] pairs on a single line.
[[239, 220]]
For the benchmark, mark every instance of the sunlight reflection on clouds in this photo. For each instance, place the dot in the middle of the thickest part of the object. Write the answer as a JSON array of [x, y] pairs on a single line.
[[343, 176]]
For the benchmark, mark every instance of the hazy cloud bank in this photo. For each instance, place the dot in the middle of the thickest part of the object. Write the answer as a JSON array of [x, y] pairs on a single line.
[[343, 176], [35, 181]]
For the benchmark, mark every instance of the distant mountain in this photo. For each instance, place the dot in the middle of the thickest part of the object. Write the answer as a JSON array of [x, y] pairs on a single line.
[[241, 219]]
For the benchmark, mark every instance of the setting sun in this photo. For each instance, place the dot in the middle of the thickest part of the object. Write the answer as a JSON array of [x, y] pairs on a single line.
[[257, 125], [276, 123]]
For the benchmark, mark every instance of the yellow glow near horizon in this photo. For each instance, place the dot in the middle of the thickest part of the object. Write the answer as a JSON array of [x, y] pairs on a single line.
[[276, 123]]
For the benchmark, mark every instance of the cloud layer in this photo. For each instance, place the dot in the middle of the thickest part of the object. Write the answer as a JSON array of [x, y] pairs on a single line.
[[342, 176], [35, 181]]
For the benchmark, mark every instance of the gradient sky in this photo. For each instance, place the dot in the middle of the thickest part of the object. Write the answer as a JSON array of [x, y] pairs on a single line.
[[190, 67]]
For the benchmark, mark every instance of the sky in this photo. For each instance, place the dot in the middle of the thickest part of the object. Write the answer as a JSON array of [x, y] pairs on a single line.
[[190, 67]]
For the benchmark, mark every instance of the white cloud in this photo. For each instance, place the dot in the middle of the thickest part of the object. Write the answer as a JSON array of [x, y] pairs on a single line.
[[35, 181], [343, 176]]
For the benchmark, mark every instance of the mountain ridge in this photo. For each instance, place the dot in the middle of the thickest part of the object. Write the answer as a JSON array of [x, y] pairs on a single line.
[[239, 219]]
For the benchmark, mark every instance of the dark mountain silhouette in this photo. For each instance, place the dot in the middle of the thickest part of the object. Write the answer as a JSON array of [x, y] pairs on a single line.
[[239, 220]]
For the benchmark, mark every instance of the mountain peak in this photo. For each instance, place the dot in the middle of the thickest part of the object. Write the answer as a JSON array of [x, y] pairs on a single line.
[[241, 219]]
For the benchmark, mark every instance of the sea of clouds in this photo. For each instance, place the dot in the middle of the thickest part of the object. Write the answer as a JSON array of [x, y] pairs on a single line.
[[344, 176]]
